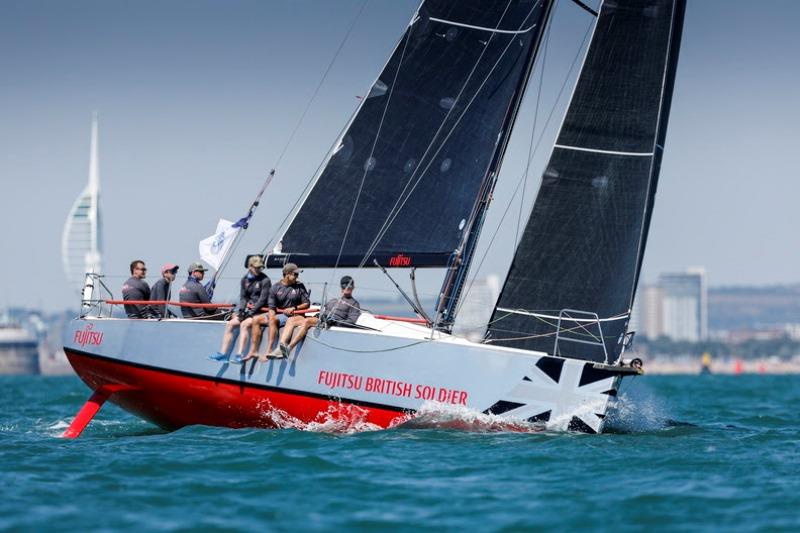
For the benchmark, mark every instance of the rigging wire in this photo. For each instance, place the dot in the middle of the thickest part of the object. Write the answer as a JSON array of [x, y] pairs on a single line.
[[535, 149], [321, 81], [396, 209], [302, 118], [371, 153]]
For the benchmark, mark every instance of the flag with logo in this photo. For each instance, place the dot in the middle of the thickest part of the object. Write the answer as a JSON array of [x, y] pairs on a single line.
[[214, 248]]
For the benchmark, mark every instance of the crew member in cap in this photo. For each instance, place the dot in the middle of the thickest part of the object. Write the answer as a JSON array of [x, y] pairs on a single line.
[[137, 289], [342, 311], [193, 292], [253, 294], [285, 297], [162, 291]]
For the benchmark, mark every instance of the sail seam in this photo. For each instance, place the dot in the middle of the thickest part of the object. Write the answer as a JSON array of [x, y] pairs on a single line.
[[483, 28], [599, 151]]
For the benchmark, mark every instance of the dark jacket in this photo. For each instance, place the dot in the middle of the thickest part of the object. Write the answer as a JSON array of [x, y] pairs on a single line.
[[161, 291], [254, 290], [341, 311], [282, 296], [193, 292], [136, 289]]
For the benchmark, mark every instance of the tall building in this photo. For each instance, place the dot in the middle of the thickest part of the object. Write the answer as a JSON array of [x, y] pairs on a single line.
[[648, 313], [81, 243], [685, 305], [675, 307]]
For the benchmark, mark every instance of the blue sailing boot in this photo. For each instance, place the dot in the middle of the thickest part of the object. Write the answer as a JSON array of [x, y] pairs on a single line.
[[219, 356]]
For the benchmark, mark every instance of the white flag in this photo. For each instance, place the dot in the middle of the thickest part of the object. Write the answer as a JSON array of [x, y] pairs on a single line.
[[213, 249]]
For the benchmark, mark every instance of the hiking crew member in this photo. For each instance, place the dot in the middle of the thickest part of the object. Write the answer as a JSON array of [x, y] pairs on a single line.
[[253, 295], [193, 292], [162, 291], [137, 289], [289, 295], [342, 311]]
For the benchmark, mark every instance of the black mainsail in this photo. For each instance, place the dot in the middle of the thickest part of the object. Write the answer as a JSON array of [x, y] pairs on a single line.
[[403, 184], [581, 252]]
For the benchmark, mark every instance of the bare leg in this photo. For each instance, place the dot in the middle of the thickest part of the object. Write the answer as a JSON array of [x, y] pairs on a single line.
[[244, 334], [307, 324], [289, 328], [228, 335], [255, 335], [273, 332]]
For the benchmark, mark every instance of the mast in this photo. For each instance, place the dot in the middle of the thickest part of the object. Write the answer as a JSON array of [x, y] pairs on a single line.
[[461, 260], [94, 255]]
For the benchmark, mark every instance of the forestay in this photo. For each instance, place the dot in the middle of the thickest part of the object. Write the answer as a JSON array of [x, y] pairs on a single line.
[[583, 244], [407, 173]]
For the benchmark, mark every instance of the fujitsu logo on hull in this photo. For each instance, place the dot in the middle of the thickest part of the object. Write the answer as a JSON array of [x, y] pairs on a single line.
[[87, 336]]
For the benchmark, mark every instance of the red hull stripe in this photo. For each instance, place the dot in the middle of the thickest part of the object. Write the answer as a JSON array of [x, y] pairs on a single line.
[[95, 376]]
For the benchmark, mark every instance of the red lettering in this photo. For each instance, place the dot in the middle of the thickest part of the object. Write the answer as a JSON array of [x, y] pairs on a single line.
[[399, 260], [87, 336]]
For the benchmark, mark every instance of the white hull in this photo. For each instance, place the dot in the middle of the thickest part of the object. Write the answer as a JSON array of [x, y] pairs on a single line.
[[396, 369]]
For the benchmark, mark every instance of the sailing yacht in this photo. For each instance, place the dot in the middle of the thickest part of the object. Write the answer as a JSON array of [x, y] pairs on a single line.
[[408, 184]]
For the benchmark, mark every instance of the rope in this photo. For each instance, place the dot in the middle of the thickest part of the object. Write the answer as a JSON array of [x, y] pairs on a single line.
[[366, 351]]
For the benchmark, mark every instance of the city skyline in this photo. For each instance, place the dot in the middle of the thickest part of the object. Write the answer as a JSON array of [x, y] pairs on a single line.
[[197, 104]]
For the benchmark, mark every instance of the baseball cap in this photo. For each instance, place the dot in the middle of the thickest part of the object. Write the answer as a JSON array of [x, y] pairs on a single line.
[[169, 267], [289, 268], [194, 267], [255, 261]]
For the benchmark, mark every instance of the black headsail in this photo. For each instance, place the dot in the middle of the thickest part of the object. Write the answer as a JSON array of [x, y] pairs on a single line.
[[583, 244], [401, 186]]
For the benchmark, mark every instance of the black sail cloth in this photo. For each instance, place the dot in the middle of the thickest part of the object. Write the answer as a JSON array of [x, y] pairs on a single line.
[[583, 244], [410, 165]]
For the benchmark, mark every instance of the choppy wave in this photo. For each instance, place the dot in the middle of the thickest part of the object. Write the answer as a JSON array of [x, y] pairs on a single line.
[[339, 418], [435, 415]]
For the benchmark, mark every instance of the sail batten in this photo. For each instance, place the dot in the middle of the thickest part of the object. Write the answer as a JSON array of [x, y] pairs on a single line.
[[583, 244]]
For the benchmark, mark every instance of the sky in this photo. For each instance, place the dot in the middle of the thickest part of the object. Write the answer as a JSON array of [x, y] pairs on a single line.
[[198, 99]]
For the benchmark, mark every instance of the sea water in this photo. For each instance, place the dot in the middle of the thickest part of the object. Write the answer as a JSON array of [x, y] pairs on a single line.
[[690, 453]]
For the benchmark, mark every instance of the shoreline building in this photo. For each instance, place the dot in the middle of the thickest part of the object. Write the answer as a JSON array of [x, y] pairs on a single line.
[[81, 242], [19, 349], [675, 307]]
